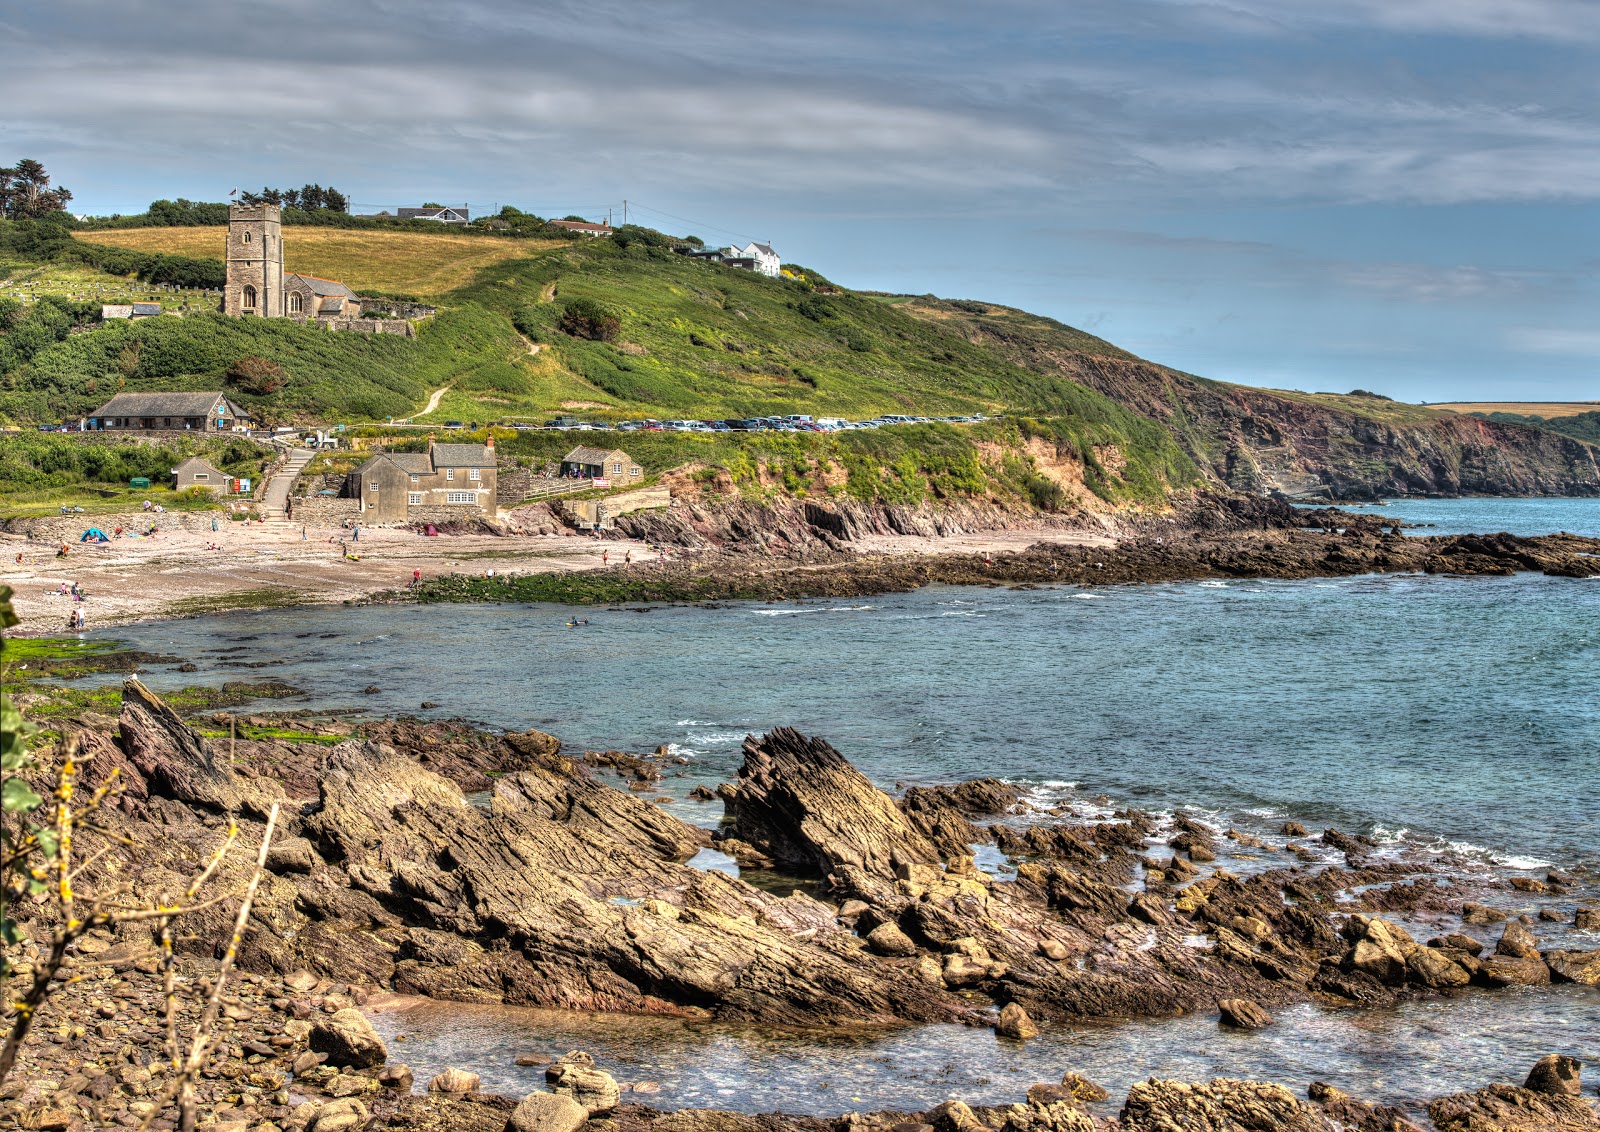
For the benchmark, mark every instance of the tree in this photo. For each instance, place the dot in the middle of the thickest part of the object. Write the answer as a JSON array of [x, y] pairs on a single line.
[[256, 375], [585, 318], [25, 192]]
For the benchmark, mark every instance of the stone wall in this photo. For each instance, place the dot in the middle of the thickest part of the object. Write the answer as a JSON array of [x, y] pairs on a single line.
[[585, 512], [68, 528], [393, 308], [324, 510], [361, 325]]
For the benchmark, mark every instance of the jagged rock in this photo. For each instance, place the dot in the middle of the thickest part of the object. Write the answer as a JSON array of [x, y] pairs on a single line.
[[1506, 1108], [396, 1077], [1472, 913], [1243, 1014], [1380, 949], [799, 801], [1015, 1023], [546, 1112], [1587, 920], [1556, 1075], [1222, 1105], [594, 1089], [348, 1039], [1431, 968], [1512, 971], [954, 1116], [291, 855], [1518, 942], [455, 1081], [1358, 1116], [175, 761]]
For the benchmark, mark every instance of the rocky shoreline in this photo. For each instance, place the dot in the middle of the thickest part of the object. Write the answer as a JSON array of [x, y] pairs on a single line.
[[443, 860], [1226, 538]]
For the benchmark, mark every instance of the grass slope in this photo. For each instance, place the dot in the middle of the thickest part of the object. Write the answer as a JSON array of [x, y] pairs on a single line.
[[424, 264]]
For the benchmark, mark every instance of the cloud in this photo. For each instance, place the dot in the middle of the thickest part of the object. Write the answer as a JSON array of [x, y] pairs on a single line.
[[1555, 340]]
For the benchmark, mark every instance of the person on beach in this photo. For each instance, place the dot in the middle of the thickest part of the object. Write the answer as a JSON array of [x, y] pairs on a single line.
[[605, 558], [302, 532], [213, 524], [416, 577], [627, 558], [356, 537]]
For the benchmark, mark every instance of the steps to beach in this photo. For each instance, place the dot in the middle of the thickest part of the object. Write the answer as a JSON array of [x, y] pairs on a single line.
[[275, 497]]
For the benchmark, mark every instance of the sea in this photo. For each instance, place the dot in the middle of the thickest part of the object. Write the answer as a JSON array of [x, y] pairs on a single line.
[[1452, 720]]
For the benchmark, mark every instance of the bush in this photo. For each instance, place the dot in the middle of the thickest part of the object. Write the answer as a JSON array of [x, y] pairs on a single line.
[[256, 375], [585, 318]]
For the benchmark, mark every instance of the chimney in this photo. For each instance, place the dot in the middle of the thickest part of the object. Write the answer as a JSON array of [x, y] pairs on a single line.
[[489, 444]]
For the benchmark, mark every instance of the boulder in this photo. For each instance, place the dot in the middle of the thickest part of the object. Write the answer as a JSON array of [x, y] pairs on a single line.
[[1243, 1014], [593, 1089], [1082, 1088], [1518, 942], [291, 855], [1512, 971], [546, 1112], [339, 1116], [1432, 968], [1480, 914], [1587, 920], [1574, 967], [348, 1039], [1015, 1023], [1223, 1104], [1293, 829], [1506, 1108], [455, 1082], [396, 1077], [176, 761], [1556, 1075], [887, 939], [954, 1116]]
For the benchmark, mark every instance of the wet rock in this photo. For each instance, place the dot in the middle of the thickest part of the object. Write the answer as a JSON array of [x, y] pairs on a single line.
[[1527, 884], [1083, 1089], [1293, 829], [1556, 1075], [348, 1039], [703, 794], [1512, 971], [1517, 942], [396, 1077], [455, 1082], [1380, 949], [547, 1112], [887, 939], [593, 1089], [1015, 1023], [954, 1116], [1587, 920], [1243, 1014], [1223, 1104], [1472, 913], [1431, 968], [1459, 942], [1574, 967], [531, 1059], [1358, 1116], [1506, 1108]]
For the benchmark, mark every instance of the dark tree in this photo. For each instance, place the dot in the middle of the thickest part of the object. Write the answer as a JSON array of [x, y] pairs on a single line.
[[25, 192]]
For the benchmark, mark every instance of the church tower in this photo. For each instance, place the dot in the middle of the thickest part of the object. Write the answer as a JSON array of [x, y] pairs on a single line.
[[255, 261]]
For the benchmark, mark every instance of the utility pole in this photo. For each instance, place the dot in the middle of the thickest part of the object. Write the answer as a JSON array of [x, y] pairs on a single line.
[[624, 212]]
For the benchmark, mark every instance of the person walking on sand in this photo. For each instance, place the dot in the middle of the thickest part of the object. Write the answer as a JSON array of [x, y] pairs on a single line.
[[605, 558], [627, 558], [213, 524], [302, 532]]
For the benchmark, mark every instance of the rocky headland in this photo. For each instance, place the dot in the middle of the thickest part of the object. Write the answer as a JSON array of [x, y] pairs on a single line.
[[444, 860]]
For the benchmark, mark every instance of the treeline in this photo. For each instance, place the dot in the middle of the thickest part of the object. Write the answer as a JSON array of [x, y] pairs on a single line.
[[50, 241], [182, 213], [37, 460]]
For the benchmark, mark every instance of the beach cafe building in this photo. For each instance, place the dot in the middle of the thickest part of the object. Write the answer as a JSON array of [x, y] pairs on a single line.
[[599, 464], [169, 412]]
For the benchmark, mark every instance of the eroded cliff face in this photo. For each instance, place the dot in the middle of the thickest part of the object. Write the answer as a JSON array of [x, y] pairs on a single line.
[[1312, 447]]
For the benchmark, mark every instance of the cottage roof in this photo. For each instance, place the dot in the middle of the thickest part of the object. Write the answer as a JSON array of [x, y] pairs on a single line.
[[320, 286], [333, 303], [196, 464], [582, 226], [162, 405], [433, 213], [764, 249], [146, 309], [462, 456], [582, 455]]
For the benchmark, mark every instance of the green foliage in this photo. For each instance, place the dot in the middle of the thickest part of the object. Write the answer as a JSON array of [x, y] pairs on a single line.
[[17, 800], [38, 460], [1579, 426], [256, 375], [586, 318]]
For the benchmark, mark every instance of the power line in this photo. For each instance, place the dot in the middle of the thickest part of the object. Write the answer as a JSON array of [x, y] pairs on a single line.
[[636, 206]]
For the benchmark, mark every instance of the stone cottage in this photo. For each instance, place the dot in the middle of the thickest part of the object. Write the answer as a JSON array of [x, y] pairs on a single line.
[[394, 487], [195, 472], [193, 412], [599, 463]]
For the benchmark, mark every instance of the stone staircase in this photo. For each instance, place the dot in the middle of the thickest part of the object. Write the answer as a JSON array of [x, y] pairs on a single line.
[[275, 496]]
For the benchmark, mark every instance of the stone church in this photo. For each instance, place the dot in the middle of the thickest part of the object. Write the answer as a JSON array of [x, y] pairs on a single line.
[[258, 285]]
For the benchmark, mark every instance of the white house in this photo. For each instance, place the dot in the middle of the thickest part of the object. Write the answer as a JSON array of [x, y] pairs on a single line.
[[765, 260]]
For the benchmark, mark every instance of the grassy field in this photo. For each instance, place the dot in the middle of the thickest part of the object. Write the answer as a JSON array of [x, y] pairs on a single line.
[[1549, 410], [423, 264], [80, 282]]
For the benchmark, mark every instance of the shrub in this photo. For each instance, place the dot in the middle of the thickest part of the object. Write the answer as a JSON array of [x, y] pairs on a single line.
[[585, 318], [256, 375]]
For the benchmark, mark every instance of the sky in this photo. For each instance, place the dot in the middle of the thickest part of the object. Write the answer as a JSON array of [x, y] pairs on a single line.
[[1394, 195]]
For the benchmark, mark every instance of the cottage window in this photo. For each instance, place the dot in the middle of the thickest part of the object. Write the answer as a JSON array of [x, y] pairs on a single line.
[[296, 303], [461, 497], [414, 498], [373, 486], [616, 469], [247, 298], [633, 471], [202, 475], [416, 479], [449, 473], [475, 474]]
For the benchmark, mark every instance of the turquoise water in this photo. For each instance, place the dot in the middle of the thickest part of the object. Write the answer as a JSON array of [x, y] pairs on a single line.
[[1451, 718]]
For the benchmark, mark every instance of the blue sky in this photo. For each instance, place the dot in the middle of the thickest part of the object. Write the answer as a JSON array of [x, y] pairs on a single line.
[[1398, 195]]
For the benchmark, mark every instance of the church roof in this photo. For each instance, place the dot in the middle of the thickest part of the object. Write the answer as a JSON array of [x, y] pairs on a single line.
[[320, 286]]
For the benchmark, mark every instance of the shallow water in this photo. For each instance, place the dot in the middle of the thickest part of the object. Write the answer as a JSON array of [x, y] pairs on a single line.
[[1451, 718], [1413, 1052]]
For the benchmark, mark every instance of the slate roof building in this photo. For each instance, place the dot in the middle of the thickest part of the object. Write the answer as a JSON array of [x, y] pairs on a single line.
[[395, 486], [443, 215], [315, 297], [195, 472], [583, 227], [110, 311], [755, 257], [191, 412]]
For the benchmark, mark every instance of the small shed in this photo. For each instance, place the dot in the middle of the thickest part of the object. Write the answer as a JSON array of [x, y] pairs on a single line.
[[600, 463], [195, 472]]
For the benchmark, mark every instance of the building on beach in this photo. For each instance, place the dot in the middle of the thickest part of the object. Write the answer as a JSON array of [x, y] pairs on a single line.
[[195, 472], [448, 478], [599, 463], [169, 412]]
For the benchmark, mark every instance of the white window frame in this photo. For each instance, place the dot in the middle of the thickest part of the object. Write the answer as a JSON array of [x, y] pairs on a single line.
[[449, 473], [416, 479], [475, 474], [616, 469], [461, 497], [413, 498]]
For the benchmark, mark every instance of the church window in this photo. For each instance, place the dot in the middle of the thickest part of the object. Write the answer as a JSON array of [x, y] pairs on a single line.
[[295, 302], [247, 237], [248, 298]]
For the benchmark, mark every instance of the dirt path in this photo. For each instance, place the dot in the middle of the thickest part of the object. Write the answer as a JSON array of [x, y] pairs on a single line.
[[433, 400]]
